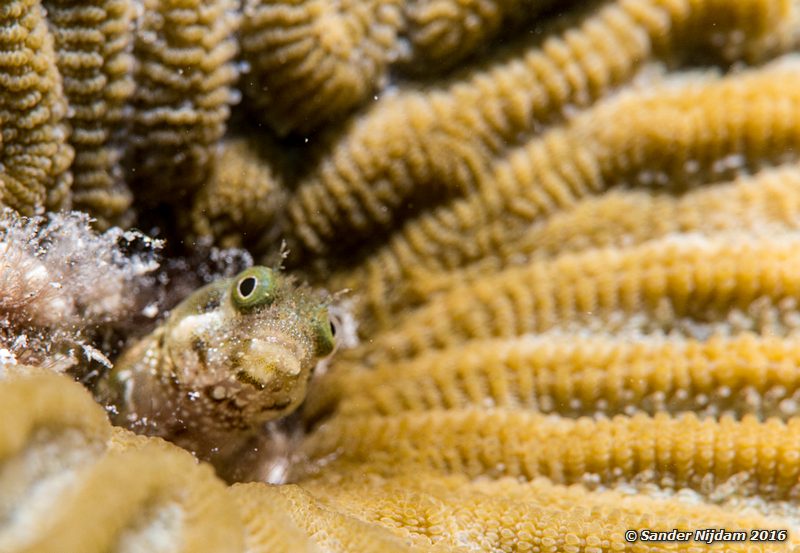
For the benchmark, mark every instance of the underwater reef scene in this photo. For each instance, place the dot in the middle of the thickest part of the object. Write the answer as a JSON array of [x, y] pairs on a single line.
[[560, 242]]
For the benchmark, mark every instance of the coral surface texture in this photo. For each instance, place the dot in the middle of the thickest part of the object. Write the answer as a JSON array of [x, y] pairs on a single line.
[[562, 238]]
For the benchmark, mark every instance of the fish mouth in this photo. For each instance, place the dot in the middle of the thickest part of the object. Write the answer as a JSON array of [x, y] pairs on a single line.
[[269, 362]]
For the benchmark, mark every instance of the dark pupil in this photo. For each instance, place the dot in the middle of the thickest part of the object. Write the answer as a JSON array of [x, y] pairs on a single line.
[[333, 329], [246, 286]]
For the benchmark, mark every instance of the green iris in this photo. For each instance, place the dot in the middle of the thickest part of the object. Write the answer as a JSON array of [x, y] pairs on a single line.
[[253, 288], [324, 331]]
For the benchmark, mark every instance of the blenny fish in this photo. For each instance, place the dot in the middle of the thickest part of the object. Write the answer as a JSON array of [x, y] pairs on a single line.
[[233, 355]]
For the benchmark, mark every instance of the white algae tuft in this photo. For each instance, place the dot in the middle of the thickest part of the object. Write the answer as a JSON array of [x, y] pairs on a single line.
[[59, 280]]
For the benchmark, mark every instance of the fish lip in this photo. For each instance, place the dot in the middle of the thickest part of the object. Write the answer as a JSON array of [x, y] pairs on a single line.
[[272, 345], [289, 345]]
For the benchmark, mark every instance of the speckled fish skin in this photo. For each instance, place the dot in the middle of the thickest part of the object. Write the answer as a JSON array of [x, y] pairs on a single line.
[[233, 355]]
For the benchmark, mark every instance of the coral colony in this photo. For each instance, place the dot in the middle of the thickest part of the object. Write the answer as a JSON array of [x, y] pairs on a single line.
[[559, 243]]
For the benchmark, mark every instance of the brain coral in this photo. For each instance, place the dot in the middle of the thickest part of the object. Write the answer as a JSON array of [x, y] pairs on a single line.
[[35, 155], [570, 235], [181, 102], [380, 164], [139, 92], [312, 61], [92, 46]]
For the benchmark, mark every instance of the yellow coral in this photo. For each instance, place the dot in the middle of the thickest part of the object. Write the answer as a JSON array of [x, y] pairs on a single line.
[[418, 145], [766, 202], [270, 515], [163, 501], [508, 515], [164, 492], [672, 451], [244, 194], [574, 375], [34, 153], [311, 61], [92, 40], [657, 138], [686, 284], [57, 474], [443, 32], [401, 272], [183, 92], [46, 402], [549, 359], [177, 109], [301, 514]]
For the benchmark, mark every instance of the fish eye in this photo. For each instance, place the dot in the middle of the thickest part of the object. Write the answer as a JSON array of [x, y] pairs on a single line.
[[253, 288], [324, 332]]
